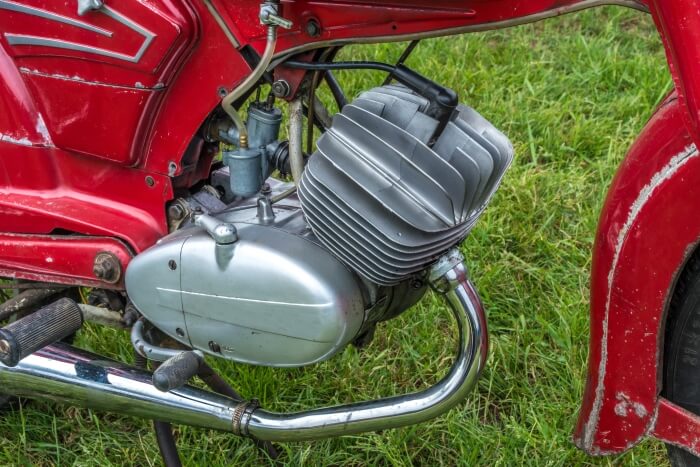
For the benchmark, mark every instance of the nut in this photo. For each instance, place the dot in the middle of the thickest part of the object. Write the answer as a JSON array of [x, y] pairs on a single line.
[[107, 268], [176, 212], [280, 88]]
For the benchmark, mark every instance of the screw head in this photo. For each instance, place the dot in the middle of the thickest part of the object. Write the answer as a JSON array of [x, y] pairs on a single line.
[[4, 347], [150, 181], [214, 347], [172, 265]]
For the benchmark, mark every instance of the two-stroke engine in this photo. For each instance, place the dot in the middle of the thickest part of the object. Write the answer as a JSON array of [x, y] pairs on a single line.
[[291, 280]]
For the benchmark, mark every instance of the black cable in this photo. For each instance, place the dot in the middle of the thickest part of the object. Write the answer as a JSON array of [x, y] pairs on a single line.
[[340, 66], [404, 55], [336, 90]]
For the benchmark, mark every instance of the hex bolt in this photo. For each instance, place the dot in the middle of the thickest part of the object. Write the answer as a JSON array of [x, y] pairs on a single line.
[[176, 212], [214, 347], [280, 88], [107, 268]]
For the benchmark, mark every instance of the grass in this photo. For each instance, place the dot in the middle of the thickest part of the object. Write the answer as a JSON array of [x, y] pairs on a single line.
[[571, 93]]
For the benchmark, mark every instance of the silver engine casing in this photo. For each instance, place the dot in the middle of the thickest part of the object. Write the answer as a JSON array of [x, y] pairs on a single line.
[[275, 297]]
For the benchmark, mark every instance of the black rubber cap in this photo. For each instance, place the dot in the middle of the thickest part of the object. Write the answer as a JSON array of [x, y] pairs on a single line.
[[176, 371]]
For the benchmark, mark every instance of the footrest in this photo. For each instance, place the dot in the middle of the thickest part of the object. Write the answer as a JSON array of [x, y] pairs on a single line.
[[33, 332]]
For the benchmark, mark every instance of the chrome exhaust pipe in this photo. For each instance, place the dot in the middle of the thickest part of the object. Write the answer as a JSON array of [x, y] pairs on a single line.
[[65, 374], [62, 373]]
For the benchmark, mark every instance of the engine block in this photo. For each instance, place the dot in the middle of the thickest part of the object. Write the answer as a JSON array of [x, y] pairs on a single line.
[[386, 195]]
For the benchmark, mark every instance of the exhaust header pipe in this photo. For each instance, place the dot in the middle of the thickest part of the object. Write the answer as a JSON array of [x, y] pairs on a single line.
[[65, 374]]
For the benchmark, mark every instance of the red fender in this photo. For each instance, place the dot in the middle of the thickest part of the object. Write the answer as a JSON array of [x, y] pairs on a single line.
[[649, 226]]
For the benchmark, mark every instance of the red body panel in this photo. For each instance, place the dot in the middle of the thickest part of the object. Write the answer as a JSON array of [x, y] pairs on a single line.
[[99, 113]]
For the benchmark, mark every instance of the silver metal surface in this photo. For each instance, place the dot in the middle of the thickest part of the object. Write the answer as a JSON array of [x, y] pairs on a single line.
[[223, 233], [269, 15], [275, 297], [384, 201], [400, 410], [62, 373]]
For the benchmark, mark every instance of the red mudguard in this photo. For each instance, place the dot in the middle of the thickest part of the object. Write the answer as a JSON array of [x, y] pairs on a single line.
[[649, 225]]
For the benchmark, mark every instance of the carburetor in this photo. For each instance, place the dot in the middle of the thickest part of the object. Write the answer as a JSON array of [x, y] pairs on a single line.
[[254, 160]]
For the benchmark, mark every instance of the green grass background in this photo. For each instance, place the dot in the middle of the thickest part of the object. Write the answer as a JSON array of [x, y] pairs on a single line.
[[571, 93]]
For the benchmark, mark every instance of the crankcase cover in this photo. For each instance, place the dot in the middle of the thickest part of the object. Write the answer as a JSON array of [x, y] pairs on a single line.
[[272, 298]]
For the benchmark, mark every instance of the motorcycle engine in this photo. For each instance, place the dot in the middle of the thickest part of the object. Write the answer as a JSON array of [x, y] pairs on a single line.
[[388, 191]]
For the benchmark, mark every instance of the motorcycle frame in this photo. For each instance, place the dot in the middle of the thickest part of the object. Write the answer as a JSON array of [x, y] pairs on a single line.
[[60, 206]]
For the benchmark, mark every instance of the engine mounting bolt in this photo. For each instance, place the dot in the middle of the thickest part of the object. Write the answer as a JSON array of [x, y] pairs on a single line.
[[176, 212], [416, 283], [214, 347], [280, 88], [313, 29], [107, 268]]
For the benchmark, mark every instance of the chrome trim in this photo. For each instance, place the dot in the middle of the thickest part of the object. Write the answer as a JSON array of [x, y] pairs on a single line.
[[148, 35], [222, 24], [634, 4], [23, 39], [34, 11], [63, 373]]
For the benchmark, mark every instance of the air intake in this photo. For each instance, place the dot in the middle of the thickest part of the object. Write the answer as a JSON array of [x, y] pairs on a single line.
[[386, 196]]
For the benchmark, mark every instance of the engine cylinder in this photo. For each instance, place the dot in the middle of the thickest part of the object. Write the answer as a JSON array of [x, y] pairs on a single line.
[[388, 196]]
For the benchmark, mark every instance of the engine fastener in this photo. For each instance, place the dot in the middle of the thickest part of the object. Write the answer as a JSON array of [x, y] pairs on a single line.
[[176, 212], [313, 29], [214, 347], [4, 347], [281, 88], [180, 332], [172, 265], [107, 268], [150, 181]]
